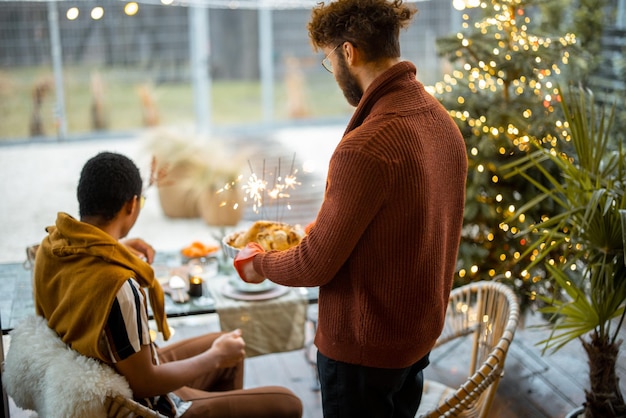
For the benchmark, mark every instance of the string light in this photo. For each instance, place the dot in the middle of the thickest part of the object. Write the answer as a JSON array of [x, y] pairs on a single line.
[[131, 8], [72, 13], [97, 13]]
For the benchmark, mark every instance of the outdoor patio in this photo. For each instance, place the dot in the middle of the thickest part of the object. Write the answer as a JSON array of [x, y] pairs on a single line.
[[79, 79], [40, 179]]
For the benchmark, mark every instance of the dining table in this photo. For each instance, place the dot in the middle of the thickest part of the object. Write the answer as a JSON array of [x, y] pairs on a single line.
[[16, 291]]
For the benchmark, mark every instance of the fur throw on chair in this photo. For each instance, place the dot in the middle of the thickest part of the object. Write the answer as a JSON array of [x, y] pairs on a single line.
[[43, 374]]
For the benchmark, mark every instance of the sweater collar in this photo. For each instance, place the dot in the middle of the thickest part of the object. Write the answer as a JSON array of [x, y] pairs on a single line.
[[378, 88]]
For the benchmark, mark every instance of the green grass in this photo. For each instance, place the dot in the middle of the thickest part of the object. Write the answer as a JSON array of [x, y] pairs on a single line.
[[232, 102]]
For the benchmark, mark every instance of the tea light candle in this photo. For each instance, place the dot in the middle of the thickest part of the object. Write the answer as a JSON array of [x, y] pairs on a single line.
[[195, 286], [203, 267]]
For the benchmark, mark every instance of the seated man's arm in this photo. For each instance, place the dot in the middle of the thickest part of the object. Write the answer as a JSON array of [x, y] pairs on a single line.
[[147, 379], [128, 342], [140, 248]]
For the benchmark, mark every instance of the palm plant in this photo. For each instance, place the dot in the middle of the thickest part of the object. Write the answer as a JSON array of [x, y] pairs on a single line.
[[583, 246]]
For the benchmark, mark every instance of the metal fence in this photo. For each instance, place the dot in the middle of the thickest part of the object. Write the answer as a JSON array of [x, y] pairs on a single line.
[[129, 65]]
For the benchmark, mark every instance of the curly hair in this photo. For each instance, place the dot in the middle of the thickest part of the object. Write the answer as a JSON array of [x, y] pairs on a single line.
[[107, 182], [373, 26]]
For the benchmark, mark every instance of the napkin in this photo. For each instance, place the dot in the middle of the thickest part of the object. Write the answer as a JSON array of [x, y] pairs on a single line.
[[268, 326]]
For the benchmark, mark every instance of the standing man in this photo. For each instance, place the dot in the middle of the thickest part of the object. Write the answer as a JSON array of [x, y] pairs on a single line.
[[383, 248], [89, 287]]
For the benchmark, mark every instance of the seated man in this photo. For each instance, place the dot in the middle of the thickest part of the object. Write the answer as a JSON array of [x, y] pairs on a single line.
[[89, 287]]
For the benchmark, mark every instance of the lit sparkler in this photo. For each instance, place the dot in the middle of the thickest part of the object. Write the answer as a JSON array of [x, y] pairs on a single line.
[[257, 189]]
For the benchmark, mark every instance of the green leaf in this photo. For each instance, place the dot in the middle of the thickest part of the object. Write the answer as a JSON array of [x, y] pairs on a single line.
[[622, 214]]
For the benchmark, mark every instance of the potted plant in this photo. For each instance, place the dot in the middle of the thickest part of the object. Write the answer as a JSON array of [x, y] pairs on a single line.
[[583, 246], [196, 176]]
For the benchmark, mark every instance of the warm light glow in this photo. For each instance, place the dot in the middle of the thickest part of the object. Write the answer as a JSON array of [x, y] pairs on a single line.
[[458, 4], [131, 8], [258, 189], [97, 13], [72, 13], [254, 190]]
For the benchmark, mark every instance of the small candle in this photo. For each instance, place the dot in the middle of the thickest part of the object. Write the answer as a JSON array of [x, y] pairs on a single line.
[[203, 267], [195, 286]]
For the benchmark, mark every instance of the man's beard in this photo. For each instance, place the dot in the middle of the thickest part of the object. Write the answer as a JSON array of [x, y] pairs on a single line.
[[348, 83]]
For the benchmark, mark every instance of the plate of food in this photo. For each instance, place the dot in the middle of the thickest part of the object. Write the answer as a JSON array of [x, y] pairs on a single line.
[[269, 234], [198, 249]]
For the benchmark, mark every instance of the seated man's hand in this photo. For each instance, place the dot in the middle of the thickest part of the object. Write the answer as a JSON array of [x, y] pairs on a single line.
[[140, 248], [244, 263], [229, 349]]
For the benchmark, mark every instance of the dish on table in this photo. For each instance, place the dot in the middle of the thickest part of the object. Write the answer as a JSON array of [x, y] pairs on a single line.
[[269, 234], [241, 286], [230, 292], [198, 249]]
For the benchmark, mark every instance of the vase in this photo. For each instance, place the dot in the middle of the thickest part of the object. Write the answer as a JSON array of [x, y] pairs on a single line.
[[179, 195], [220, 208]]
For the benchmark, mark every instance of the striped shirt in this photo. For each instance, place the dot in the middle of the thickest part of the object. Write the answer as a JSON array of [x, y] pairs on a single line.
[[126, 331], [127, 328]]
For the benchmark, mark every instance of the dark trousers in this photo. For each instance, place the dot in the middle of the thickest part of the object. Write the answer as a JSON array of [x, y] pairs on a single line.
[[349, 390]]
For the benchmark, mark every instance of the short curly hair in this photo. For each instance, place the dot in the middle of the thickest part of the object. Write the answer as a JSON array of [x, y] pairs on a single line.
[[107, 182], [373, 26]]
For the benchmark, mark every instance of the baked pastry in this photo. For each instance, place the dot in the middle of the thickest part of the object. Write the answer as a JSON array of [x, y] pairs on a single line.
[[270, 235]]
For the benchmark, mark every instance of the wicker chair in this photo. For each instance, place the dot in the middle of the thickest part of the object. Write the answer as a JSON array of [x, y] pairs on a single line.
[[488, 313], [121, 407]]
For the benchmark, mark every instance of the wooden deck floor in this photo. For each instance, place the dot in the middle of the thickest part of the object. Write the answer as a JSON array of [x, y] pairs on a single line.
[[534, 386]]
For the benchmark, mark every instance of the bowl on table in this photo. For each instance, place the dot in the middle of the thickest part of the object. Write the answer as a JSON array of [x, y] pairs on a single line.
[[227, 246], [271, 236], [268, 234]]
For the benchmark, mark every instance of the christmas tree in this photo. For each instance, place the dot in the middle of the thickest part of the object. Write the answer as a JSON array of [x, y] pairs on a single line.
[[503, 92]]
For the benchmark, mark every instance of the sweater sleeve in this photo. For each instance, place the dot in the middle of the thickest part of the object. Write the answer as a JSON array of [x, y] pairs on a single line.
[[355, 190]]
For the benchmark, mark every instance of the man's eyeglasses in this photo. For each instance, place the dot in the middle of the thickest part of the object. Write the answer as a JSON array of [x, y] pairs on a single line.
[[326, 61]]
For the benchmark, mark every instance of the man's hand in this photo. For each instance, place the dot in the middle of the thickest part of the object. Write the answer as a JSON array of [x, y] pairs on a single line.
[[244, 263], [140, 248], [229, 349]]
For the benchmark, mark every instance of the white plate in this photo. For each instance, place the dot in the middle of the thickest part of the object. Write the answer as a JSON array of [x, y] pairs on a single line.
[[277, 291], [241, 286]]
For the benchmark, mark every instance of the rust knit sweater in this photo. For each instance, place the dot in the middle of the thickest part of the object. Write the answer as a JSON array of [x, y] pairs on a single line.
[[384, 245]]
